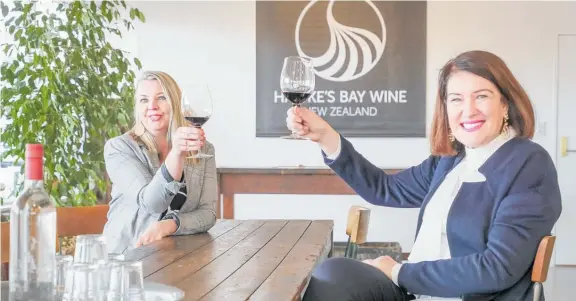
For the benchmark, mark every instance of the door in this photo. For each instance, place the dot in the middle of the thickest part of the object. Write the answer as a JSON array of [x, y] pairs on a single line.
[[565, 246]]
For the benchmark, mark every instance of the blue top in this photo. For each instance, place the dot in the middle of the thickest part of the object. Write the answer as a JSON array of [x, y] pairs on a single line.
[[494, 227]]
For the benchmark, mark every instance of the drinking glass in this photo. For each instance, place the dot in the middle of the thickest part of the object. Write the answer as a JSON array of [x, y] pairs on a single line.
[[126, 281], [90, 248], [297, 82], [82, 283], [63, 263], [197, 109]]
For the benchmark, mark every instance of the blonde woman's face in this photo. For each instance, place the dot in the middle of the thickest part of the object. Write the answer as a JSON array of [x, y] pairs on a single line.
[[153, 107]]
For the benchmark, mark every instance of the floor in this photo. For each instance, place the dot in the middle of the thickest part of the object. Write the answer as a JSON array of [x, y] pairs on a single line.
[[560, 283]]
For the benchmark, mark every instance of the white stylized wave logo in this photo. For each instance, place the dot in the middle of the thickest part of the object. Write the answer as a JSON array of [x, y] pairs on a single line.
[[345, 42]]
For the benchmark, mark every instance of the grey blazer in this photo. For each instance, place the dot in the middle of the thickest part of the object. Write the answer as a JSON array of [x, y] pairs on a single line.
[[141, 192]]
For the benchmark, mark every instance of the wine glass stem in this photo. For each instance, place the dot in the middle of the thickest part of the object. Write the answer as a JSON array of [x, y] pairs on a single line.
[[294, 132], [200, 150]]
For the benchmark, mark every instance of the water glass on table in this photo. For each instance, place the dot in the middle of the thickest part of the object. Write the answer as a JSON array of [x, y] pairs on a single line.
[[63, 263], [126, 281], [90, 248], [82, 283]]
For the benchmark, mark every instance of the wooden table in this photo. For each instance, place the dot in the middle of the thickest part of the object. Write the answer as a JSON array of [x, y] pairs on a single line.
[[240, 260], [278, 180]]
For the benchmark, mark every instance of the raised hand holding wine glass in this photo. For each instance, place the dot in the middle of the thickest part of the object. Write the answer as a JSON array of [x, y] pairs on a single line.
[[297, 83], [197, 109]]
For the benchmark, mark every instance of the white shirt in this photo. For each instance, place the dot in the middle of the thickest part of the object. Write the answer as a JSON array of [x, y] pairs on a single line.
[[432, 243]]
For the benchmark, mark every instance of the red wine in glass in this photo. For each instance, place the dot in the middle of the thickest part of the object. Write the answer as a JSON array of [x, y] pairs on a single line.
[[297, 83], [297, 97], [197, 109], [197, 121]]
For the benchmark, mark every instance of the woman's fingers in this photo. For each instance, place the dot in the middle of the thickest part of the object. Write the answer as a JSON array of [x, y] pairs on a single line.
[[186, 130], [190, 145], [190, 134]]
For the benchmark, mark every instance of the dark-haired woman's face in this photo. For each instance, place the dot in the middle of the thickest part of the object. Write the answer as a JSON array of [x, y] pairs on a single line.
[[475, 109]]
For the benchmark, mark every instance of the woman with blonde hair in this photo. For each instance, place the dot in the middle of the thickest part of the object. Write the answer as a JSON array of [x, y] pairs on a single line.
[[157, 190], [487, 195]]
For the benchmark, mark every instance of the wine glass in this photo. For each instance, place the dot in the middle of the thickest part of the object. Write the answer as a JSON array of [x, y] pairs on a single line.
[[297, 83], [197, 109]]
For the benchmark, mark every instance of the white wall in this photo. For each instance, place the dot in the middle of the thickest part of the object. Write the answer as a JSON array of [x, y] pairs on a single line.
[[216, 41]]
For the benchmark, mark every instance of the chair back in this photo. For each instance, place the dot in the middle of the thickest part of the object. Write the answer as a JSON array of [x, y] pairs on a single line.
[[541, 264], [356, 229], [71, 221]]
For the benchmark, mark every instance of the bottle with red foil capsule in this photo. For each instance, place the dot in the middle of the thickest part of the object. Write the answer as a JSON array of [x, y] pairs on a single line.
[[32, 235]]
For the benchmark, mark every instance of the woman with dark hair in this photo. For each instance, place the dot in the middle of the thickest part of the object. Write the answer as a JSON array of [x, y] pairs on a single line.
[[487, 195]]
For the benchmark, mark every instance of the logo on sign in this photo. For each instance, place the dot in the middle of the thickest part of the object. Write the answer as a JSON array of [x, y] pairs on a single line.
[[352, 51]]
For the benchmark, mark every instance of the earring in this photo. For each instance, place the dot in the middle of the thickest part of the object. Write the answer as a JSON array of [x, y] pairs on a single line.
[[451, 137], [505, 125]]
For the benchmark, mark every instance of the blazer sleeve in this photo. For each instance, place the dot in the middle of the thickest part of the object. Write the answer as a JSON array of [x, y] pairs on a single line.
[[523, 218], [204, 217], [406, 189], [131, 177]]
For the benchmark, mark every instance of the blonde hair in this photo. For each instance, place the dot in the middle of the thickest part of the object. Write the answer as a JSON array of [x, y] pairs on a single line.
[[173, 93]]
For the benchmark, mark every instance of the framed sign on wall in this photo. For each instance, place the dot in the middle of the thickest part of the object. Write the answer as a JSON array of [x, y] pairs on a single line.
[[369, 59]]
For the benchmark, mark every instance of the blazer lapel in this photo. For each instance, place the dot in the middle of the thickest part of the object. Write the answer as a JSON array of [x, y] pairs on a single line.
[[442, 171], [194, 180], [153, 160]]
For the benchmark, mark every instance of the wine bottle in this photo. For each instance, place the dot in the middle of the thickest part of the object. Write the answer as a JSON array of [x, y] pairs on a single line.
[[32, 235]]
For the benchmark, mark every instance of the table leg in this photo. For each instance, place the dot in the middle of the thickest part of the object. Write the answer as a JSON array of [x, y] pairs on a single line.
[[228, 204]]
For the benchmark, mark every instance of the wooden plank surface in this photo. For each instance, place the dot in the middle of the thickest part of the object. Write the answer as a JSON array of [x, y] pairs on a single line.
[[240, 260], [183, 247], [205, 280], [191, 263], [291, 277], [248, 278]]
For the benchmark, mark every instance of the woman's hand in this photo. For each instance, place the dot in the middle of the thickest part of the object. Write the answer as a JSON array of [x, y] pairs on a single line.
[[383, 263], [187, 139], [309, 125], [157, 231]]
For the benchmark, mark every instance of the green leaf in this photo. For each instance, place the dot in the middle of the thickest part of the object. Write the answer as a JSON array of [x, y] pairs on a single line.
[[4, 9], [9, 21], [141, 16], [63, 92], [138, 63]]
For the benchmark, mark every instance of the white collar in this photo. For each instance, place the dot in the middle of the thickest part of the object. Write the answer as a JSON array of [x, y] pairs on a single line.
[[480, 154]]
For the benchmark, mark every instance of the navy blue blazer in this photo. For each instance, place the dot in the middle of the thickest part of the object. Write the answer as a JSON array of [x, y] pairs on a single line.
[[493, 229]]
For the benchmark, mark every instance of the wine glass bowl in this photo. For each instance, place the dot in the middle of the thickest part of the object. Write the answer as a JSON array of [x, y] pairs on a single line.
[[297, 82], [197, 109]]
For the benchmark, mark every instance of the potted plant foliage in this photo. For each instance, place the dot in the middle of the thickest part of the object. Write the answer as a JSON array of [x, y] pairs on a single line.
[[65, 86]]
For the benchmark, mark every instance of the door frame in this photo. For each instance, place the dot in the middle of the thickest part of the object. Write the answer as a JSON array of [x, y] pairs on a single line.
[[556, 102]]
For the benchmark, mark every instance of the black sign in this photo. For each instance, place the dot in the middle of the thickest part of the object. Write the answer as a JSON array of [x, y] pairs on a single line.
[[370, 61]]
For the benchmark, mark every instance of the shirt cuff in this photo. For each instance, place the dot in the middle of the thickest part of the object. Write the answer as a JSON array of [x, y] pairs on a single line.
[[335, 154], [176, 219], [395, 272], [167, 176]]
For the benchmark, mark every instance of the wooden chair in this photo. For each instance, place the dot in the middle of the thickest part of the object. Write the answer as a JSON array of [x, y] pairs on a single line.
[[71, 221], [356, 229], [541, 264]]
